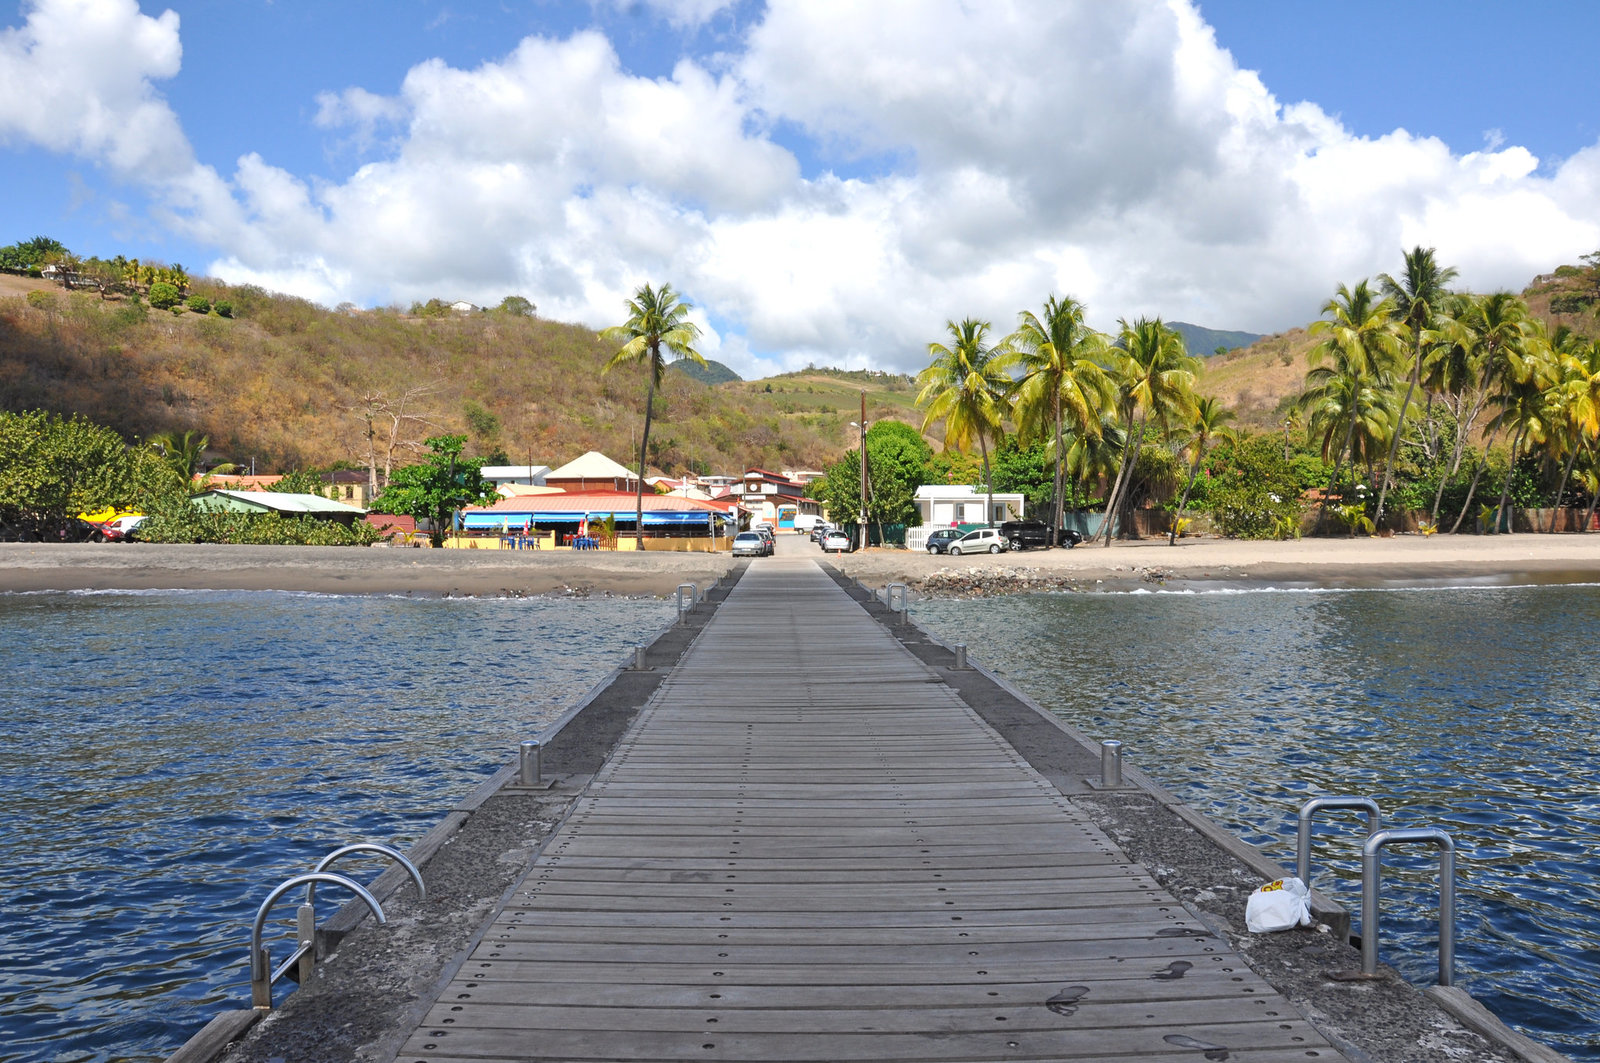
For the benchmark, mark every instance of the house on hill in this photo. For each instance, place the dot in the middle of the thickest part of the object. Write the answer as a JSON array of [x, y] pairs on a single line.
[[593, 472]]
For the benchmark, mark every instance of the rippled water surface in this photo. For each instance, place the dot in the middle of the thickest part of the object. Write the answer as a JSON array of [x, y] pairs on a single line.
[[169, 757], [1472, 709]]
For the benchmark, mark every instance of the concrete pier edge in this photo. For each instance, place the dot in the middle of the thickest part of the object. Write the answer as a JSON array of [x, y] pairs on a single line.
[[227, 1030], [1453, 1001]]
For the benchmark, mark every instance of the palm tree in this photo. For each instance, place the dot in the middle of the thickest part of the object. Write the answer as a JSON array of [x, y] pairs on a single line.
[[658, 330], [1418, 296], [1500, 331], [1346, 399], [1154, 376], [1209, 417], [1062, 379], [181, 453], [1526, 407], [965, 386], [1580, 388]]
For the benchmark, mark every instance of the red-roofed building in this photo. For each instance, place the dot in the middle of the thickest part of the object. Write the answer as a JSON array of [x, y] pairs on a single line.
[[776, 499]]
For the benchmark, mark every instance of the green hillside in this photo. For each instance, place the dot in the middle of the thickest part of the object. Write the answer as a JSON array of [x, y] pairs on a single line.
[[1205, 341], [712, 373]]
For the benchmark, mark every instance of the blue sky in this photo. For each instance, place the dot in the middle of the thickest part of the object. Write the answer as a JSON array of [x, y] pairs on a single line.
[[827, 183]]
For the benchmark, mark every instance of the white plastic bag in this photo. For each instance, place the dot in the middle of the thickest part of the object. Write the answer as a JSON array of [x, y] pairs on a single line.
[[1280, 905]]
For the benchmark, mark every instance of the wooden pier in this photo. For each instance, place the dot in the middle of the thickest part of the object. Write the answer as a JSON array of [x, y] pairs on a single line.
[[808, 847]]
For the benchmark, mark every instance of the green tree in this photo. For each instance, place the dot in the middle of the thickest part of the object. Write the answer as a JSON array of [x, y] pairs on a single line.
[[1419, 296], [163, 296], [435, 488], [1500, 333], [54, 467], [1062, 384], [516, 306], [658, 331], [1580, 387], [1209, 418], [897, 463], [1154, 375], [183, 454], [965, 386], [1345, 399]]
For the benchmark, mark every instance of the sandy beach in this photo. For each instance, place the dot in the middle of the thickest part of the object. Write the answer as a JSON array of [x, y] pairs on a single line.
[[1401, 560]]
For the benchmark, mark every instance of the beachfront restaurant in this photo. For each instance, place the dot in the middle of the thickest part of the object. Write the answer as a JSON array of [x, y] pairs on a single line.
[[562, 520]]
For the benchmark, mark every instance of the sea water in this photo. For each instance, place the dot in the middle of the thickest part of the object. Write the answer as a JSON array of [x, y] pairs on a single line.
[[169, 757], [1473, 709]]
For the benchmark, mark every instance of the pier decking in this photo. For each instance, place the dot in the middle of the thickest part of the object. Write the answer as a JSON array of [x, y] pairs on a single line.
[[808, 847]]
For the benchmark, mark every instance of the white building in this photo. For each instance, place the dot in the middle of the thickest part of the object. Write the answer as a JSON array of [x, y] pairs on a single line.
[[946, 505], [530, 475]]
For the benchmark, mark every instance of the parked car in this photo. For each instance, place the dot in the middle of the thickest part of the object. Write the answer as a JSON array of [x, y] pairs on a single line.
[[121, 529], [749, 544], [836, 542], [978, 541], [1021, 534], [820, 532], [939, 541], [768, 536]]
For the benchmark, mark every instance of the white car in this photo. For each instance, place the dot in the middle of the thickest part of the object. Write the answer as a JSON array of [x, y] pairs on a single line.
[[978, 541], [836, 542], [749, 544]]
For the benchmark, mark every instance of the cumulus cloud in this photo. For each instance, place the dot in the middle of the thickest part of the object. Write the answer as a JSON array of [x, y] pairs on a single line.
[[973, 159], [77, 77]]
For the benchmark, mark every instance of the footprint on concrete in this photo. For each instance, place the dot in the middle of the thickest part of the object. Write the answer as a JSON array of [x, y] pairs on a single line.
[[1182, 932], [1066, 1001], [1213, 1052], [1174, 971]]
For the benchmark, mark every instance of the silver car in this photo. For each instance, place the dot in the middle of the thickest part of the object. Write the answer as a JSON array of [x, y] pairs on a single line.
[[749, 544]]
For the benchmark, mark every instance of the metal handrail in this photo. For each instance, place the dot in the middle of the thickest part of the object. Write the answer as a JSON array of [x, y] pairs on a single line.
[[1302, 849], [1371, 869], [262, 975], [694, 598], [377, 849], [905, 599]]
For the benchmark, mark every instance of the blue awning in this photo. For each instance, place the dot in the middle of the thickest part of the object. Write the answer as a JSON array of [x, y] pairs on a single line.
[[494, 521]]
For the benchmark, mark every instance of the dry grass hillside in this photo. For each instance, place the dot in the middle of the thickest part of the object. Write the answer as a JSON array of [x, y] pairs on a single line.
[[289, 384]]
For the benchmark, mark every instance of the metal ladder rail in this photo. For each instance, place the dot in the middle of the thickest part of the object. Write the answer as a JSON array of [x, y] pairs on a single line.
[[1302, 862], [262, 974]]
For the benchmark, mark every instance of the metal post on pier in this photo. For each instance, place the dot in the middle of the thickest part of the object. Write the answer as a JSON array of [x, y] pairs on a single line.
[[961, 657], [530, 765], [1302, 848], [1110, 764]]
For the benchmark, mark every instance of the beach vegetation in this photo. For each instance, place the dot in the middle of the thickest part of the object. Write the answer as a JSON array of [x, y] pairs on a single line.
[[53, 467], [435, 488]]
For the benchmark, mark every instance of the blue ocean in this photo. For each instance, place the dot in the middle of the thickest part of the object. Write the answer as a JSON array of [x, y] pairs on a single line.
[[171, 755]]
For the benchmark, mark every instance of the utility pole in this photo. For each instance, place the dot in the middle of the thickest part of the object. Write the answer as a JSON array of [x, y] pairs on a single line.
[[863, 469]]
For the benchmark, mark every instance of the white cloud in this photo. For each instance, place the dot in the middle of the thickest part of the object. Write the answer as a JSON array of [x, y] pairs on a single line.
[[999, 152], [77, 76]]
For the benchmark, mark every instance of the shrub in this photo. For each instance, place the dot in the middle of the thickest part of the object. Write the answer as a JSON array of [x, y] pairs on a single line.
[[199, 304], [223, 308], [41, 300], [163, 296]]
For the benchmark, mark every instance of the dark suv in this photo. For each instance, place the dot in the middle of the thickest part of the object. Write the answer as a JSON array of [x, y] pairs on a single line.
[[1022, 534]]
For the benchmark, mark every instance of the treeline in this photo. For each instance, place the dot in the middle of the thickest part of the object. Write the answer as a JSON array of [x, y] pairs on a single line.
[[53, 468], [1425, 408]]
